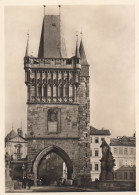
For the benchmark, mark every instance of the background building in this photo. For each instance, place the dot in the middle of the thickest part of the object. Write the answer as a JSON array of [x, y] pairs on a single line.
[[124, 151], [126, 173], [16, 154], [96, 137]]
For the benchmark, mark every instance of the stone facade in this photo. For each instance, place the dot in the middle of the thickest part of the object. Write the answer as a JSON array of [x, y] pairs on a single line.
[[96, 137], [58, 108], [124, 151]]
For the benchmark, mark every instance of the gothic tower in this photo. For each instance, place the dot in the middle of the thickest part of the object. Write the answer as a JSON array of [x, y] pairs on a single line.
[[58, 105]]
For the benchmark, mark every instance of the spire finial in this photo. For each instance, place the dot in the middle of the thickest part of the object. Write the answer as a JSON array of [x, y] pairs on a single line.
[[59, 9], [27, 48], [81, 34], [21, 124], [44, 9], [77, 49]]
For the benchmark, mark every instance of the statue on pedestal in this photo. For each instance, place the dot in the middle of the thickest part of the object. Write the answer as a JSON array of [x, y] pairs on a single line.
[[107, 163]]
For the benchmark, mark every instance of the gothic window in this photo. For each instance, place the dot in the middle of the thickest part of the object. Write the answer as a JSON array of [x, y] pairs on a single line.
[[49, 77], [60, 91], [49, 91], [38, 77], [66, 91], [32, 90], [70, 91], [54, 91], [28, 75], [44, 91], [39, 90]]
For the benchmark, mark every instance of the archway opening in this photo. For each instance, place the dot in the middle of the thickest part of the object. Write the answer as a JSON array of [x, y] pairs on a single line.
[[52, 154], [52, 169]]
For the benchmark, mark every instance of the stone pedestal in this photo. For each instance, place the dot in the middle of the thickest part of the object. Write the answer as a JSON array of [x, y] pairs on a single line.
[[9, 183]]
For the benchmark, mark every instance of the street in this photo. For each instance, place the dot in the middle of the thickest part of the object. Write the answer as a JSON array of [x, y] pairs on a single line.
[[53, 189]]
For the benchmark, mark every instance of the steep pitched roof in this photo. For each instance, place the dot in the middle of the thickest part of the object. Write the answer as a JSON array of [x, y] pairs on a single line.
[[83, 60], [123, 141], [52, 43], [11, 135], [94, 131]]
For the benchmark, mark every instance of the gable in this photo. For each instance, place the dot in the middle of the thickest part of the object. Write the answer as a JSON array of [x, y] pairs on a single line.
[[18, 139]]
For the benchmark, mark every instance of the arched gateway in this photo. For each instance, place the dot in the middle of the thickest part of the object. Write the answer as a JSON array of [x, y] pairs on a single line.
[[58, 105], [47, 151]]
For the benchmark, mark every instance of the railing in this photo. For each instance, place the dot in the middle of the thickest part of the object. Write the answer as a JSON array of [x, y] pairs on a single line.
[[48, 61]]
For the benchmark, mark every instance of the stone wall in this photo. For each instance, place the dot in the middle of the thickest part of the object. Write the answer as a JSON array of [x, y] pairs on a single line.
[[37, 120]]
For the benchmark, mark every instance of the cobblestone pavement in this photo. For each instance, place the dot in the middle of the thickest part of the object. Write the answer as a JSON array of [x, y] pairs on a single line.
[[53, 189]]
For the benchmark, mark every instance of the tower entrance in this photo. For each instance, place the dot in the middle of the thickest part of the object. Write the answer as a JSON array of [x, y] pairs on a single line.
[[52, 165]]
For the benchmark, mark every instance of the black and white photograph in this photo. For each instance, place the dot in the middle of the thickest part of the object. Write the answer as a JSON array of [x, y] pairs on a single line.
[[69, 97]]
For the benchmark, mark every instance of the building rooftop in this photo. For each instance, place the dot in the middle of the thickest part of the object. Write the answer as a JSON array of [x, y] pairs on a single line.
[[127, 168], [11, 135], [94, 131], [123, 141]]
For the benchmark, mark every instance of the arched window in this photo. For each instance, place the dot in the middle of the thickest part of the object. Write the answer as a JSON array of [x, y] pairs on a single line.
[[60, 91], [70, 91], [39, 91], [28, 75], [54, 91], [32, 90], [45, 91], [49, 91], [66, 91]]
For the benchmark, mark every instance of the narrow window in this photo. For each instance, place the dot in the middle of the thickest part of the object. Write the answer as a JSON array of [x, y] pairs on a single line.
[[45, 91], [96, 140], [70, 91], [96, 167], [54, 91], [115, 150], [49, 91], [60, 91], [96, 152], [125, 151]]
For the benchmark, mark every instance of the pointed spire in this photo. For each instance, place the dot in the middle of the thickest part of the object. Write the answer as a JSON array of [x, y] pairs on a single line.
[[27, 47], [83, 60], [52, 44], [77, 49]]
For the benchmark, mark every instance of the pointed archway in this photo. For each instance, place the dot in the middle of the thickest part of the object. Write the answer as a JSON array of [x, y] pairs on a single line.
[[47, 151]]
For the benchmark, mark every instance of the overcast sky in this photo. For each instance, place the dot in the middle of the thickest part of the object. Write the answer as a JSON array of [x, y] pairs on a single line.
[[108, 37]]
